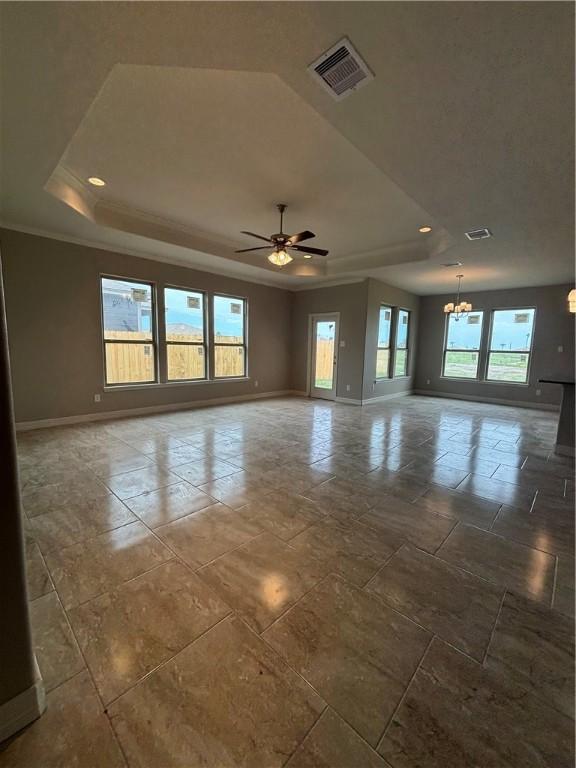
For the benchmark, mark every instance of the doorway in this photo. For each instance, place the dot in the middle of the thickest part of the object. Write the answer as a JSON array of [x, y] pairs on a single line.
[[323, 356]]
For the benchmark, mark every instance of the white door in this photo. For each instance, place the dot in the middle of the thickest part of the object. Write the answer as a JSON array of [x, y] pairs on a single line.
[[324, 356]]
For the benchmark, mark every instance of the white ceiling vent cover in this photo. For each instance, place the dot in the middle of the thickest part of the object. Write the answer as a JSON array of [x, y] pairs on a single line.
[[341, 70], [478, 234]]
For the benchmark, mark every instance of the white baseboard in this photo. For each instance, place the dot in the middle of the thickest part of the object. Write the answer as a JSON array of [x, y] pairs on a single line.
[[22, 710], [370, 400], [493, 400], [25, 426], [391, 396]]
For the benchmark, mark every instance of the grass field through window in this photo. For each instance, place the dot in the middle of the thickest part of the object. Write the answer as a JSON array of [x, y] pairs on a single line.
[[461, 365], [506, 366], [502, 366]]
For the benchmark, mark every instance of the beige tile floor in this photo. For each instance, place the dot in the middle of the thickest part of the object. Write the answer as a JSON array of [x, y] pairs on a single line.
[[297, 583]]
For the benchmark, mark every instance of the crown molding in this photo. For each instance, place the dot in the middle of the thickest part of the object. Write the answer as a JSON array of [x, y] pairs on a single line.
[[328, 284], [65, 186], [117, 208], [38, 232]]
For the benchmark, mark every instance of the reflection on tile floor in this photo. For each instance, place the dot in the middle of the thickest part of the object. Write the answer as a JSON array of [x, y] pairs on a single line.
[[297, 583]]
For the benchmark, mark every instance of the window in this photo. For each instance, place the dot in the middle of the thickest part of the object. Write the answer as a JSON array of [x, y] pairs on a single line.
[[462, 347], [229, 337], [401, 351], [129, 331], [383, 352], [185, 334], [510, 345]]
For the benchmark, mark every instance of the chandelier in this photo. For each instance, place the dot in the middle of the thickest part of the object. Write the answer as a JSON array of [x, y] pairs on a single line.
[[458, 308]]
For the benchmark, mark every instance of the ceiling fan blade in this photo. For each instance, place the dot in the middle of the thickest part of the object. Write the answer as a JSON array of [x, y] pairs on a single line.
[[260, 237], [313, 251], [306, 235], [260, 248]]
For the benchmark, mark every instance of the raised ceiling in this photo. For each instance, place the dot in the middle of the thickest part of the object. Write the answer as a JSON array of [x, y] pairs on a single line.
[[200, 151], [201, 116]]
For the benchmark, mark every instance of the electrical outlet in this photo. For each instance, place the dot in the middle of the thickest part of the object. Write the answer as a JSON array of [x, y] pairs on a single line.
[[342, 343], [256, 383], [347, 387], [560, 348], [538, 392], [97, 398], [427, 381]]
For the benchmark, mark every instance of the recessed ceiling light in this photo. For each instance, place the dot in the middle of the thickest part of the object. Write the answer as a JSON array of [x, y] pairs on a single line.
[[453, 264], [96, 182], [307, 255], [425, 229]]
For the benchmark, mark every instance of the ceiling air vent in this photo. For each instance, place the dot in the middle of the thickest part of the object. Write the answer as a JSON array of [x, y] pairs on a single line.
[[341, 70], [478, 234]]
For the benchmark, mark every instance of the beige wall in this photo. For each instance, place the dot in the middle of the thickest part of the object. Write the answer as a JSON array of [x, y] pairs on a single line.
[[15, 638], [554, 328], [350, 301], [380, 293], [358, 305], [53, 307]]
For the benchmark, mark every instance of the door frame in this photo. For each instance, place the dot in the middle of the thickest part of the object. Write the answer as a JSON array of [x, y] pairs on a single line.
[[321, 316]]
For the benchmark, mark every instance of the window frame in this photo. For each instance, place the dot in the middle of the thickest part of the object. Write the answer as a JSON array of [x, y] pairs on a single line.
[[525, 383], [153, 327], [389, 347], [214, 344], [478, 351], [205, 334], [406, 373]]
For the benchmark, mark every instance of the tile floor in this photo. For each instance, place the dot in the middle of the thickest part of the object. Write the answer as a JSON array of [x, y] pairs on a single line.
[[297, 583]]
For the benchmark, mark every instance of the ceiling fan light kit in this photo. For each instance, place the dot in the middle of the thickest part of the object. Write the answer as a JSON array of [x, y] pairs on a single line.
[[280, 258], [282, 243]]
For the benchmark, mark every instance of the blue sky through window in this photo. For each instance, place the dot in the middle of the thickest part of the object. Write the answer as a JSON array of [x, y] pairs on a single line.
[[184, 311], [464, 333], [402, 329], [228, 317], [384, 327], [512, 330]]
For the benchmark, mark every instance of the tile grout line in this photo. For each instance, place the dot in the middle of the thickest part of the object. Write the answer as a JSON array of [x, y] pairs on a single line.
[[308, 732], [178, 559], [277, 653], [366, 587], [166, 661], [92, 679], [89, 538], [297, 603], [496, 516], [404, 694], [483, 662], [555, 581], [117, 586]]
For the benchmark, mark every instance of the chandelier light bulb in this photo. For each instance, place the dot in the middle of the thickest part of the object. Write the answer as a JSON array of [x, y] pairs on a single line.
[[458, 308]]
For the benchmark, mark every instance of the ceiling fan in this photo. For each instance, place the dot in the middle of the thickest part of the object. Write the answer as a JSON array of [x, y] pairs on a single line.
[[282, 243]]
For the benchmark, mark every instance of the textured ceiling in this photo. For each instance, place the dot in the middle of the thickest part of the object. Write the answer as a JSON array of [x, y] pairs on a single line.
[[468, 123]]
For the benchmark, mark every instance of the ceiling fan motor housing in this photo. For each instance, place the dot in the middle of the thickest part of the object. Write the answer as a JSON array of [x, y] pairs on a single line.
[[281, 241]]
